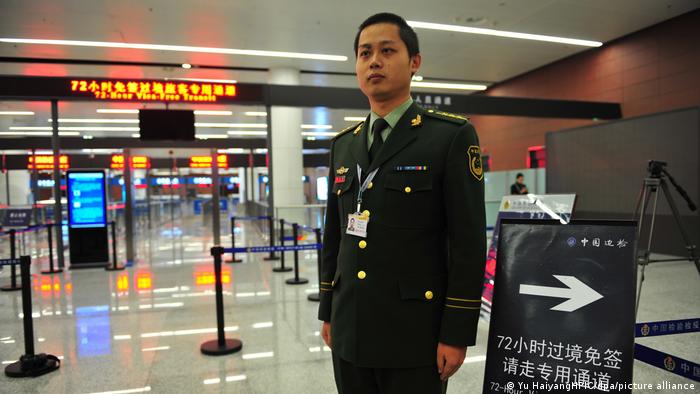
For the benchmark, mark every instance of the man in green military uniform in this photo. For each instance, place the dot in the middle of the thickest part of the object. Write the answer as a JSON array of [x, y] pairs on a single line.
[[401, 287]]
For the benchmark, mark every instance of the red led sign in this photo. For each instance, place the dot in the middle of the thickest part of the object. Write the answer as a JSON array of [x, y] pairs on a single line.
[[140, 90], [206, 161], [137, 162], [45, 162]]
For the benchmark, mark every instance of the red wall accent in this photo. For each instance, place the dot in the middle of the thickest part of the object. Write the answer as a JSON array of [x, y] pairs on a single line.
[[654, 70]]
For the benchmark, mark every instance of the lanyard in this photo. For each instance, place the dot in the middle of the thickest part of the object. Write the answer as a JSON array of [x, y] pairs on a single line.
[[363, 185]]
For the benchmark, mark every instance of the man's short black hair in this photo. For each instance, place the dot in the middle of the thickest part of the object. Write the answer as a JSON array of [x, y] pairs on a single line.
[[408, 36], [520, 174]]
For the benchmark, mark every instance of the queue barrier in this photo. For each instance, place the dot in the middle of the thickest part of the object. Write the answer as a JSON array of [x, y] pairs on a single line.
[[115, 266], [271, 230], [673, 364], [14, 286], [221, 345], [29, 364]]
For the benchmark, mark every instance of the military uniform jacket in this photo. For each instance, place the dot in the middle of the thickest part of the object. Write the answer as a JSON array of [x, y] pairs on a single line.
[[416, 279]]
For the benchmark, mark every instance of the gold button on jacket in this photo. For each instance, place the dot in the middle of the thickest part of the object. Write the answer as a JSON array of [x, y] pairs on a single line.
[[428, 295], [362, 244], [361, 274]]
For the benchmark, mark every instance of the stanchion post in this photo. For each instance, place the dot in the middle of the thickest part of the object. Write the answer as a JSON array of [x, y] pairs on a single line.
[[28, 321], [220, 345], [282, 268], [51, 269], [233, 242], [13, 255], [114, 266], [317, 296], [296, 280], [30, 364], [271, 229]]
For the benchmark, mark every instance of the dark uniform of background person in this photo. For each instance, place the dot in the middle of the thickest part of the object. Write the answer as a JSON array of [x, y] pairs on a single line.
[[401, 305], [519, 187]]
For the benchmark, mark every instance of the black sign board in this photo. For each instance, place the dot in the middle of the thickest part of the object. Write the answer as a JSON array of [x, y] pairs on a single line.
[[17, 217], [563, 308]]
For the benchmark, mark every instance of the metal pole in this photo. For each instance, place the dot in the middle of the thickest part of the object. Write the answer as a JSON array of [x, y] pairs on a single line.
[[317, 296], [128, 207], [233, 242], [35, 190], [57, 208], [282, 268], [271, 229], [270, 180], [296, 280], [25, 261], [221, 345], [216, 209], [51, 270]]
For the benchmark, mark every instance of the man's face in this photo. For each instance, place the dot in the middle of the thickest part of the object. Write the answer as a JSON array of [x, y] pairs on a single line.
[[383, 66], [520, 179]]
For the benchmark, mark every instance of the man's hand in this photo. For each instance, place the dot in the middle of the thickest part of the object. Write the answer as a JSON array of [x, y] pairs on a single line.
[[326, 333], [449, 359]]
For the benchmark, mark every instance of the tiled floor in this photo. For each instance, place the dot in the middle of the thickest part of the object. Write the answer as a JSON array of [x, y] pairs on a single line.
[[140, 329]]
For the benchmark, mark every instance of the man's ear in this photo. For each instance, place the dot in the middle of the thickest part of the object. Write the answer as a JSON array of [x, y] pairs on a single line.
[[415, 63]]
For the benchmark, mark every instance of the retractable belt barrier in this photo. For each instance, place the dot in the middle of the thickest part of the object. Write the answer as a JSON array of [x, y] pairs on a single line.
[[13, 233], [29, 364], [676, 365], [272, 249], [271, 229]]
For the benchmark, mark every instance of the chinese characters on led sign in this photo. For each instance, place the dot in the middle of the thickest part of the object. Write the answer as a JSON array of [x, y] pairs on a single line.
[[137, 162], [45, 162], [139, 90], [206, 161]]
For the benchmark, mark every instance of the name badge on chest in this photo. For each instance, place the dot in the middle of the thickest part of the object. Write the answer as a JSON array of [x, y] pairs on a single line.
[[357, 225]]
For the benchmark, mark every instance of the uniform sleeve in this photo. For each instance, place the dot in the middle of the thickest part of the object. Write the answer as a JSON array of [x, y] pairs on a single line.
[[466, 225], [329, 253]]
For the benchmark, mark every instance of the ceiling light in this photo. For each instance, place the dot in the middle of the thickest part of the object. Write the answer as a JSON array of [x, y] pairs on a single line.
[[77, 128], [319, 133], [246, 132], [253, 113], [454, 86], [136, 136], [177, 48], [87, 137], [18, 113], [354, 118], [218, 113], [84, 120], [208, 136], [503, 33], [117, 111], [227, 125], [186, 66], [316, 126], [417, 78], [41, 133]]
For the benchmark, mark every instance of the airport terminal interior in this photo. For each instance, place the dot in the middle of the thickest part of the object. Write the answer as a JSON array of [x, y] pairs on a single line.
[[165, 178]]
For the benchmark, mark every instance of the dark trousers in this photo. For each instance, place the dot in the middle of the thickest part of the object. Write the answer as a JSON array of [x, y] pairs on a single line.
[[351, 379]]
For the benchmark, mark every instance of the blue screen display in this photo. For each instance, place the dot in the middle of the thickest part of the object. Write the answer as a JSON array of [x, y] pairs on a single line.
[[86, 199]]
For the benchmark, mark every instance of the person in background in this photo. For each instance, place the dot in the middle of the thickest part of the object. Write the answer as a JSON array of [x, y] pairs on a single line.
[[519, 187]]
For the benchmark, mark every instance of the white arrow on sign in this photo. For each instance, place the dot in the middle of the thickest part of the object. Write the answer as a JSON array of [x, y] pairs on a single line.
[[577, 292]]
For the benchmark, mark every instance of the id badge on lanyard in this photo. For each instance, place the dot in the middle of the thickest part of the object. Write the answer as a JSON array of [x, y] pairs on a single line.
[[357, 222]]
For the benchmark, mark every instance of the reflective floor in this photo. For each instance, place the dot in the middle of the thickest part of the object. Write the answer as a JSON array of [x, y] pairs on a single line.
[[141, 329]]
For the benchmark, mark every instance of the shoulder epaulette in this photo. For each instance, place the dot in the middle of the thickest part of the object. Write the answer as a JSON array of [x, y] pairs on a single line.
[[349, 129], [446, 116]]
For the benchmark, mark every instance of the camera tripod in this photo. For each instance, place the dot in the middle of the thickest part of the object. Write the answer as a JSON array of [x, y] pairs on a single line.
[[650, 190]]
